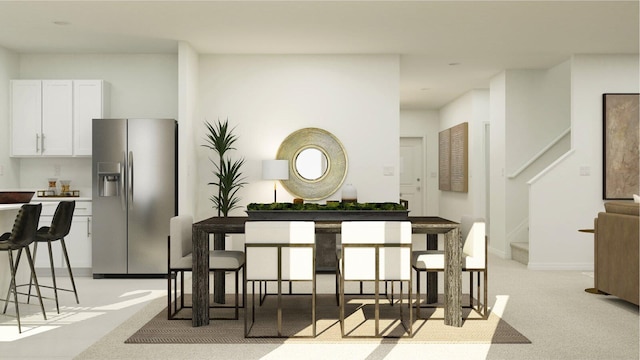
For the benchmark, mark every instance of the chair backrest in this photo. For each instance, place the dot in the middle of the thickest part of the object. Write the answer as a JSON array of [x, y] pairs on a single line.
[[473, 237], [181, 234], [62, 218], [26, 225], [262, 239], [359, 240]]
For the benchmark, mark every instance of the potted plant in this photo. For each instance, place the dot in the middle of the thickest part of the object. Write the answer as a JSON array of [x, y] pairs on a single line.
[[228, 176], [229, 181]]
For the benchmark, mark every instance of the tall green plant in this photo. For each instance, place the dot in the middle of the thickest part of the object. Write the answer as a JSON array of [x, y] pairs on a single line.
[[229, 178]]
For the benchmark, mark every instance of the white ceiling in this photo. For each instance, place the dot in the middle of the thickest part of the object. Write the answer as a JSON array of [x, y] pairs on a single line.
[[482, 37]]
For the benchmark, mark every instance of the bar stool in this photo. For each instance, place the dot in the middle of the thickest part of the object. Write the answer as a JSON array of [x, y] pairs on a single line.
[[20, 237], [60, 227]]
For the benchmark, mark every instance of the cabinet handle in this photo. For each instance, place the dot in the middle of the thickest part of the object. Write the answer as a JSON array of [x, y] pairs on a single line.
[[42, 143], [37, 142], [88, 227]]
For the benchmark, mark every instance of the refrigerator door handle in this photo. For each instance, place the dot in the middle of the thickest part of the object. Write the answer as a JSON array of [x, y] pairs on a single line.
[[123, 202], [130, 167]]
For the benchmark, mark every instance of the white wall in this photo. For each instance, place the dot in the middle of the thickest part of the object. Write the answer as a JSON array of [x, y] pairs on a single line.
[[425, 125], [187, 121], [267, 97], [498, 189], [529, 109], [473, 108], [140, 85], [537, 112], [9, 174], [562, 201]]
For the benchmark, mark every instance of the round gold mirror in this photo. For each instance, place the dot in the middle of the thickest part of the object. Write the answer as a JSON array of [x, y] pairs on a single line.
[[317, 163], [311, 164]]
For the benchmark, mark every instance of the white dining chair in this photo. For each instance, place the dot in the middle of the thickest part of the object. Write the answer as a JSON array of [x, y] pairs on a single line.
[[474, 260], [279, 251], [377, 251]]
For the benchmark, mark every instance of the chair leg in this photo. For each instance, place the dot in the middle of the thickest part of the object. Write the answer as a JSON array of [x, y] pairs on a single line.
[[66, 258], [342, 305], [181, 291], [337, 282], [35, 280], [169, 295], [35, 250], [13, 287], [471, 289], [53, 276], [237, 296], [486, 305], [6, 301], [417, 294]]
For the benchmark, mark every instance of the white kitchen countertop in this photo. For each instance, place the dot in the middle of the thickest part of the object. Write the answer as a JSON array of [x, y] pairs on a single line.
[[4, 207], [44, 199]]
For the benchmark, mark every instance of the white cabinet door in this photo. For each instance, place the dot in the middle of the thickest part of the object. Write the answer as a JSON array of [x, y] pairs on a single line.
[[79, 242], [87, 105], [26, 117], [57, 118]]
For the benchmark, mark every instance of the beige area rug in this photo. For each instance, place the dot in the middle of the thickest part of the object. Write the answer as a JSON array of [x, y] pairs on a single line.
[[296, 320]]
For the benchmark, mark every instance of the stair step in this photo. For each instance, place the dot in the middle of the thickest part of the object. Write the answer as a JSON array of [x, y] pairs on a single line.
[[520, 252]]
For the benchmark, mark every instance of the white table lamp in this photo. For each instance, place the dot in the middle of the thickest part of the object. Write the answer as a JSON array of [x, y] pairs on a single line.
[[275, 170]]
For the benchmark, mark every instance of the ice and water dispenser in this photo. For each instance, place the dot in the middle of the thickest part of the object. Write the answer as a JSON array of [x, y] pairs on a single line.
[[109, 179]]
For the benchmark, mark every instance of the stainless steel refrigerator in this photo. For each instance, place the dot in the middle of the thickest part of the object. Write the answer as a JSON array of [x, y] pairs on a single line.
[[134, 195]]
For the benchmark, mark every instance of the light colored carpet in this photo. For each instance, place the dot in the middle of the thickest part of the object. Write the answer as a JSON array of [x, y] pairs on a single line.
[[359, 315]]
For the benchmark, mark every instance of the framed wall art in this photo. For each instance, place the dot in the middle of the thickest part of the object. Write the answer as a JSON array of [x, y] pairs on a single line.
[[620, 130], [453, 156]]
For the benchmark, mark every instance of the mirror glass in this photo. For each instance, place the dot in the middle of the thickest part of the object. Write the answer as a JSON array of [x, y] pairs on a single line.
[[311, 164], [317, 162]]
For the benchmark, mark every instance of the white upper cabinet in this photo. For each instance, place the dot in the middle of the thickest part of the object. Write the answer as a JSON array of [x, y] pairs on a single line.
[[88, 104], [26, 117], [57, 118], [53, 117]]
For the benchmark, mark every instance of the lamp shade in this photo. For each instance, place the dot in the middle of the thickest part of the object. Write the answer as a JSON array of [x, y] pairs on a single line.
[[275, 169]]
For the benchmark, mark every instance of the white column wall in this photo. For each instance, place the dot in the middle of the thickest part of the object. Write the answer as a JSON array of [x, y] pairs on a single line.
[[9, 65], [498, 189], [267, 97], [188, 120]]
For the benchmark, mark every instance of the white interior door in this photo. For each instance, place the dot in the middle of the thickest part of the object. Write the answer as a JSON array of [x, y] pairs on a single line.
[[411, 173]]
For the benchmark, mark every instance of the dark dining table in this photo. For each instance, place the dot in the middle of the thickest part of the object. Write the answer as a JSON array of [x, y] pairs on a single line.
[[429, 225]]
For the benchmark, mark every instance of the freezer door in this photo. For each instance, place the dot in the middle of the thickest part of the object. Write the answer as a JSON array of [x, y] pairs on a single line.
[[152, 192], [109, 222]]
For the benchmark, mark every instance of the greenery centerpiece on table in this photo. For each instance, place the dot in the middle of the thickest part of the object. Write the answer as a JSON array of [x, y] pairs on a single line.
[[331, 211], [386, 206], [229, 179]]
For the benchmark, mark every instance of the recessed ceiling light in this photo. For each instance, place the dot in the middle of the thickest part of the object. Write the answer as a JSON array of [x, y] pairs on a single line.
[[62, 23], [454, 63], [425, 89]]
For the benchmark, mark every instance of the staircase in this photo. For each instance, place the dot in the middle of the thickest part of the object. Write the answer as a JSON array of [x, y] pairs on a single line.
[[520, 252]]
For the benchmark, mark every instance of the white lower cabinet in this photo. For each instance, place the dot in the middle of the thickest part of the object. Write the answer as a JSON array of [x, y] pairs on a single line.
[[78, 242]]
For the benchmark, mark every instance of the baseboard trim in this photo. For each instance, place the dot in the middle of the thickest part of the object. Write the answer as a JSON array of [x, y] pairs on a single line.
[[561, 266], [62, 272]]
